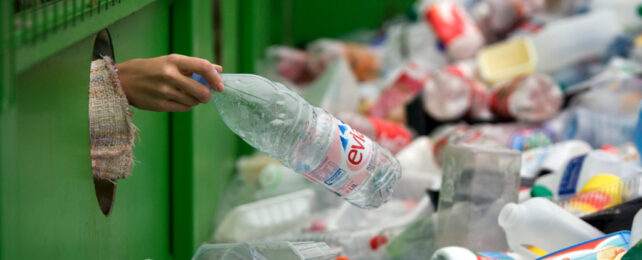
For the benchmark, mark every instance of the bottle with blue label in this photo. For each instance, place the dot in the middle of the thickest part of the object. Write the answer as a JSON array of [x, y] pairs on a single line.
[[278, 122]]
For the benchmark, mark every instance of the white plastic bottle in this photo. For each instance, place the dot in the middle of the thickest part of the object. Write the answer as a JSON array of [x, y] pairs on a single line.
[[461, 253], [266, 217], [567, 41], [582, 168], [541, 223], [636, 229], [552, 158], [627, 11], [278, 122], [276, 179]]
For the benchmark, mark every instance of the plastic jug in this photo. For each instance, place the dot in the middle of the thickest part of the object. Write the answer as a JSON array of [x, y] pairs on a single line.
[[541, 223]]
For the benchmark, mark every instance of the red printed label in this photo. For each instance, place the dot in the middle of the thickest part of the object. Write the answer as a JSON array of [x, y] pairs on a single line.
[[391, 135], [499, 100], [347, 162], [448, 20]]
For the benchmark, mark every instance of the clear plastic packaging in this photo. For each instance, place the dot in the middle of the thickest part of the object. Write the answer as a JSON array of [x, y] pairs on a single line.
[[266, 251], [265, 217], [478, 181]]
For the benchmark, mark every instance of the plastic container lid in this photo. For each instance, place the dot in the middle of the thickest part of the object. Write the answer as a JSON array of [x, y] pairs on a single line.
[[507, 60], [541, 191]]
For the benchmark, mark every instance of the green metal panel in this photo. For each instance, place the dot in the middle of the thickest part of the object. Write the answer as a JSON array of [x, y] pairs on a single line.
[[332, 18], [203, 149], [48, 205], [47, 29], [296, 23]]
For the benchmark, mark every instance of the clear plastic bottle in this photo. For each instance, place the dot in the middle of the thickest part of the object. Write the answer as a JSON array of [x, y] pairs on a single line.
[[454, 91], [499, 17], [278, 122], [533, 98], [454, 27]]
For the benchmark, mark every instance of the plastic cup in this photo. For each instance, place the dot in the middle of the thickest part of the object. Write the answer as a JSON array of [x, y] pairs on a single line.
[[478, 181]]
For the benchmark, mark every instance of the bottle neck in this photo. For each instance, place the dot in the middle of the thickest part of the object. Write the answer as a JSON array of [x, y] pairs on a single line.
[[509, 215]]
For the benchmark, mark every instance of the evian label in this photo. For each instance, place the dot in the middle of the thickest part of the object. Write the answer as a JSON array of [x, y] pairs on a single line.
[[348, 161]]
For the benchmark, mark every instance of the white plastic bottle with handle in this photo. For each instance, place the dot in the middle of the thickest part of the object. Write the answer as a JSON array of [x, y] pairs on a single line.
[[278, 122], [541, 223]]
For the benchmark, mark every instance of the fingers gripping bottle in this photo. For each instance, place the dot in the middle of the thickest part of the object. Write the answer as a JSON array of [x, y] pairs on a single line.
[[278, 122]]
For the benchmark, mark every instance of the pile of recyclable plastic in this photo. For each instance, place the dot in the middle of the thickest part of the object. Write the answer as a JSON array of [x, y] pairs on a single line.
[[517, 125]]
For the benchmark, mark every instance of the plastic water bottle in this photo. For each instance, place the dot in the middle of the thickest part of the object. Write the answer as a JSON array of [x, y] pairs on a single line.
[[533, 98], [454, 91], [454, 27], [278, 122]]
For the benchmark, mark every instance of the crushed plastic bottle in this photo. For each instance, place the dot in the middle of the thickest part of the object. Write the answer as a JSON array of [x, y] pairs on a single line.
[[402, 85], [455, 91], [498, 17], [278, 122], [455, 28], [534, 98]]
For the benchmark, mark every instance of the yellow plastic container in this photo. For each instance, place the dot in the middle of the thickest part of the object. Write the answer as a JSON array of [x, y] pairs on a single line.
[[507, 60]]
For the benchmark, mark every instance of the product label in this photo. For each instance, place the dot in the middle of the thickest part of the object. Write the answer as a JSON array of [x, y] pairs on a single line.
[[391, 135], [592, 201], [492, 256], [531, 162], [405, 87], [609, 247], [448, 20], [499, 100], [568, 184], [348, 161], [526, 139]]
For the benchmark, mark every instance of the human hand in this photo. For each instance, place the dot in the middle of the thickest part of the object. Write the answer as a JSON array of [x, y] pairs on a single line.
[[163, 83]]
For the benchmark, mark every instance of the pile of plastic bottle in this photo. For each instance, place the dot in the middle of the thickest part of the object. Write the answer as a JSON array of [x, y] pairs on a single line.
[[470, 129]]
